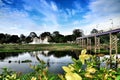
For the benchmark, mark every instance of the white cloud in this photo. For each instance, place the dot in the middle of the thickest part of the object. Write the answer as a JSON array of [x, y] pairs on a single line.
[[76, 22], [78, 6], [102, 9], [63, 20], [19, 22], [49, 10], [54, 7], [16, 23], [100, 13]]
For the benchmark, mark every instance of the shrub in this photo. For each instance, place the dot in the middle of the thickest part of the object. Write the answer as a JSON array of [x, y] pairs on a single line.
[[85, 68]]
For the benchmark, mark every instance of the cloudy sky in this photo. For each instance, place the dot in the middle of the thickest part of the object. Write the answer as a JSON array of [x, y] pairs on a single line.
[[25, 16]]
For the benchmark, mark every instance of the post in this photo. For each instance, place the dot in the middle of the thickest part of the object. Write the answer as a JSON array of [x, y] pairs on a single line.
[[113, 45], [97, 44], [88, 44], [81, 43], [84, 43]]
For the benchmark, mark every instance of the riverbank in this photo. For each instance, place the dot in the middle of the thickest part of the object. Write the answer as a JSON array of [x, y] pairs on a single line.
[[36, 47], [6, 48]]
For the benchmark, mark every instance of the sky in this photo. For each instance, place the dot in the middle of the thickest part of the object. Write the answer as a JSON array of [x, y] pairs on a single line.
[[25, 16]]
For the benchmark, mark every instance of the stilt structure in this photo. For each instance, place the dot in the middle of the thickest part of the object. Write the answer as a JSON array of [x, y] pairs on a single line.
[[88, 44], [97, 44], [81, 42], [85, 41], [84, 44], [113, 44]]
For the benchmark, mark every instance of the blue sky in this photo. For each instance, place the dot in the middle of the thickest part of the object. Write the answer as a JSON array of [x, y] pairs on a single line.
[[25, 16]]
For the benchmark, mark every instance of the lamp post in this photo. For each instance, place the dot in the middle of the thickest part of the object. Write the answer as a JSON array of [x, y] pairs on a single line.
[[97, 26], [111, 22]]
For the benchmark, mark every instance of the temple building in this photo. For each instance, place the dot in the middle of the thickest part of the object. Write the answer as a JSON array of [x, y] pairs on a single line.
[[37, 40]]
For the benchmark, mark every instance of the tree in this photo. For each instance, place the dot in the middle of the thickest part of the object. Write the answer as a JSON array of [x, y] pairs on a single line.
[[69, 38], [104, 39], [7, 38], [60, 38], [55, 33], [2, 38], [94, 31], [14, 39], [57, 37], [32, 35], [77, 33], [45, 34], [22, 38], [28, 39], [118, 35]]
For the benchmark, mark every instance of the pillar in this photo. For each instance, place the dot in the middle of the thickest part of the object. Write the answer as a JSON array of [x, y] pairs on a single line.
[[88, 44], [84, 43], [97, 44], [113, 44]]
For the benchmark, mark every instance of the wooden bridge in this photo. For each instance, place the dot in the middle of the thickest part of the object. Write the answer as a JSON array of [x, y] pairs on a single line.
[[85, 41]]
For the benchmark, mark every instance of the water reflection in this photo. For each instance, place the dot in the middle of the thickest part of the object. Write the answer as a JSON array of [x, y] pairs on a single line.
[[54, 59], [5, 55]]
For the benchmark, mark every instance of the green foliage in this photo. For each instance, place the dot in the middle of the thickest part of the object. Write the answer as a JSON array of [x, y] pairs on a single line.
[[2, 38], [8, 75], [77, 33], [85, 68], [94, 31], [32, 35]]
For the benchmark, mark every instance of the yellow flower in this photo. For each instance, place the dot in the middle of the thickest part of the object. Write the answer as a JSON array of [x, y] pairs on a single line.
[[72, 76], [106, 76], [88, 75], [84, 56], [33, 78], [83, 51], [8, 76], [13, 76], [66, 69], [61, 77], [91, 70], [71, 67]]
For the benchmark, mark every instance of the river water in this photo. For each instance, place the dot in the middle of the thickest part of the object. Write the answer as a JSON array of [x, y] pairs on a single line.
[[54, 59]]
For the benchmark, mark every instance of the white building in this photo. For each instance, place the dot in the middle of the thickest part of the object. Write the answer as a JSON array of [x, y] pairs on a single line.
[[40, 41]]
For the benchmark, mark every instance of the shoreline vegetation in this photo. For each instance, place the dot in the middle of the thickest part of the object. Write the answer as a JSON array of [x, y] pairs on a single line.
[[74, 71], [8, 48], [36, 47]]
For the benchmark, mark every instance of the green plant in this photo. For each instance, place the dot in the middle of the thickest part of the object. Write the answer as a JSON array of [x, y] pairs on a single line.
[[8, 75], [86, 68], [41, 71]]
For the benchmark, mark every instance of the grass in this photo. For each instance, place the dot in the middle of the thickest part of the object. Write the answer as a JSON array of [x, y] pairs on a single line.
[[51, 47], [35, 47]]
